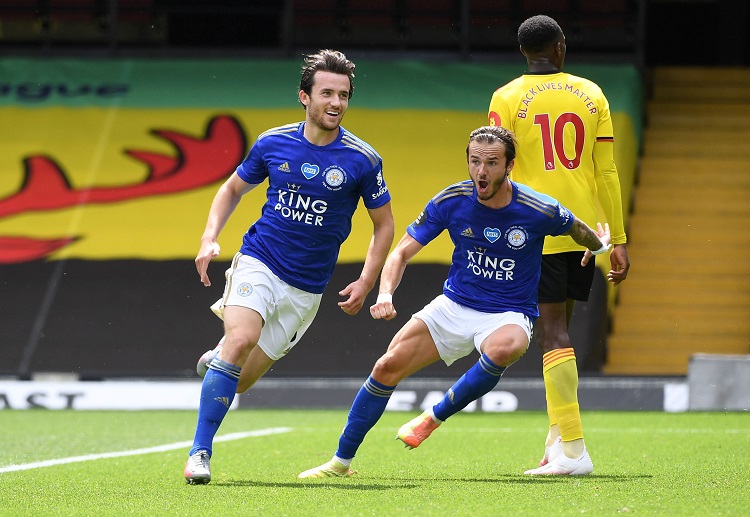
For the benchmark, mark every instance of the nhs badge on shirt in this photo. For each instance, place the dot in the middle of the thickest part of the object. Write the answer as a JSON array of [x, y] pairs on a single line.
[[492, 234], [309, 171], [334, 177]]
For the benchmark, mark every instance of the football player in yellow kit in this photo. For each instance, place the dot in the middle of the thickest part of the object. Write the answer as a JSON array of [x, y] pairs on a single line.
[[565, 149]]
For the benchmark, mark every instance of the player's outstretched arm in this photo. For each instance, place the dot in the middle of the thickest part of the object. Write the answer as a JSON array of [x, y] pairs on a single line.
[[391, 276], [597, 242], [380, 244]]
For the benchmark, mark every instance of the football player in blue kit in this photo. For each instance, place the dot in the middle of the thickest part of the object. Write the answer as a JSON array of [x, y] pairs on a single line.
[[489, 300], [317, 172]]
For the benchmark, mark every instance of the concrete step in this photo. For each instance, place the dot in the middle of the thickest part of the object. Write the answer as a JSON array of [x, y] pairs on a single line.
[[666, 267], [628, 296], [674, 222], [667, 171], [701, 75], [692, 344], [650, 260], [676, 366], [645, 355], [698, 142], [688, 284], [718, 93], [671, 321], [692, 200], [704, 85], [674, 115], [711, 231], [627, 363]]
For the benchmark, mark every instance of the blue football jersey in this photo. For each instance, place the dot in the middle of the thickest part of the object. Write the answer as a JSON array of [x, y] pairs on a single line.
[[497, 256], [312, 194]]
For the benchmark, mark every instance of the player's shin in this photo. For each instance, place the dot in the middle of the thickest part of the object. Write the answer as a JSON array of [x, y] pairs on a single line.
[[217, 394], [479, 380], [366, 410], [561, 383]]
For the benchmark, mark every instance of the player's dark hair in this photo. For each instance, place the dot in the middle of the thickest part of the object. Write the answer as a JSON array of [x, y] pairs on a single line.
[[538, 33], [492, 135], [326, 61]]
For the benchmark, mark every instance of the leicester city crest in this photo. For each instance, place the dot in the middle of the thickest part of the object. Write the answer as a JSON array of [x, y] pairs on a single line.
[[245, 289], [516, 237], [334, 177]]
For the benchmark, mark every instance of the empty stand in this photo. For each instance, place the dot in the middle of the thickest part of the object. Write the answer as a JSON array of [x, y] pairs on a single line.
[[61, 23], [688, 290], [461, 28]]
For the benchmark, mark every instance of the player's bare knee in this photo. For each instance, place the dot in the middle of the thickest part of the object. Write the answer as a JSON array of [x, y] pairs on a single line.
[[236, 348], [505, 354], [517, 353], [387, 370], [383, 366]]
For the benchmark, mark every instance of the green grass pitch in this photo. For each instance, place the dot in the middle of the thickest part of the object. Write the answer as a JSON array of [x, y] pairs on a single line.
[[130, 463]]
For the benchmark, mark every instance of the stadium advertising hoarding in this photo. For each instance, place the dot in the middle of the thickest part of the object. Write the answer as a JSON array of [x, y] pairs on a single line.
[[411, 395]]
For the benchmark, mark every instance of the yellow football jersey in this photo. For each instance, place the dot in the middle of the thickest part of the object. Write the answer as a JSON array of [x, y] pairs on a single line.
[[565, 147]]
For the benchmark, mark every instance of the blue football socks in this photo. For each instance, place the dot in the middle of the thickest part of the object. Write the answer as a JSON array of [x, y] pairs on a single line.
[[366, 410], [217, 394], [475, 383]]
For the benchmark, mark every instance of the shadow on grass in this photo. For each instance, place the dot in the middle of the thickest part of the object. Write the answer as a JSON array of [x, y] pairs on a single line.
[[527, 479], [396, 483], [612, 478], [341, 485]]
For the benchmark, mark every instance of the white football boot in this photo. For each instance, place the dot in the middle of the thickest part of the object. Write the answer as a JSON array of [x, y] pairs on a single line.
[[564, 466], [206, 358], [198, 468]]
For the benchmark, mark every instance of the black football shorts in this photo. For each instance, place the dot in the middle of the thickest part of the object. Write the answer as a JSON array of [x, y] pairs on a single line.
[[563, 277]]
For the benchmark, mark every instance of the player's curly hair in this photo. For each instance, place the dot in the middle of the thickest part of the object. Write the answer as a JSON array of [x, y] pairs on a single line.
[[494, 134], [538, 33], [326, 60]]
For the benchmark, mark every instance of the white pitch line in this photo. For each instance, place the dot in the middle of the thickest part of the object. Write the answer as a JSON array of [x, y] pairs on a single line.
[[138, 452]]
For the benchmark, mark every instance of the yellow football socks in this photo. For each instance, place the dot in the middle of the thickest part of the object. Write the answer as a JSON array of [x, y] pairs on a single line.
[[561, 384]]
